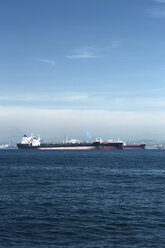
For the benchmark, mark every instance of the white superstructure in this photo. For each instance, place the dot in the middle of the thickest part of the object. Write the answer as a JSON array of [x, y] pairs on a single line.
[[32, 140]]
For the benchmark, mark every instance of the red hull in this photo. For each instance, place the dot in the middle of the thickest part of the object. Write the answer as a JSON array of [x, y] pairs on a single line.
[[134, 147], [69, 148], [108, 148]]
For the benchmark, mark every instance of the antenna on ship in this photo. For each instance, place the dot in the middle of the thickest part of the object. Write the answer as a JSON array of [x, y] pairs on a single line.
[[65, 139]]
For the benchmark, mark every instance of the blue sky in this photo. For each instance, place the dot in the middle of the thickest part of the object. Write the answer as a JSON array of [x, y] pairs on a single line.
[[70, 65]]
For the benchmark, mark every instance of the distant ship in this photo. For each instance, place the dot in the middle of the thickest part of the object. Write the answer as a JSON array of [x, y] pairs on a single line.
[[134, 146], [4, 146], [33, 143]]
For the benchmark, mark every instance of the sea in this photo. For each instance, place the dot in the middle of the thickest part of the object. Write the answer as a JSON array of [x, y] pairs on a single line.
[[113, 199]]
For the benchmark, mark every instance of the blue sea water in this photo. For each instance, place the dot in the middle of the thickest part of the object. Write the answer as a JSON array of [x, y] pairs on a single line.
[[83, 199]]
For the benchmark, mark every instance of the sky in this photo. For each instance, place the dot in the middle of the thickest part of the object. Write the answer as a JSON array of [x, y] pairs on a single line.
[[82, 68]]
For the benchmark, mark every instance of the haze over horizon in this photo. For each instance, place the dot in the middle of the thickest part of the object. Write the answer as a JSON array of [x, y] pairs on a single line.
[[82, 66]]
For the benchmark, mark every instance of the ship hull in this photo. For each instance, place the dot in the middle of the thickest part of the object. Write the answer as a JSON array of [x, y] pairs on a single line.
[[26, 146], [134, 147], [56, 146], [69, 148], [110, 146], [74, 146]]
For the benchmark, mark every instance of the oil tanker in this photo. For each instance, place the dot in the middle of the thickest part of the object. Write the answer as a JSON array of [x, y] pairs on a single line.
[[35, 143]]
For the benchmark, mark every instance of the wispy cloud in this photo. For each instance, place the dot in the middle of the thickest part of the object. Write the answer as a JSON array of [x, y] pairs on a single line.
[[84, 53], [47, 61], [90, 52], [46, 98], [156, 13], [115, 44], [114, 100], [77, 97], [160, 1]]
